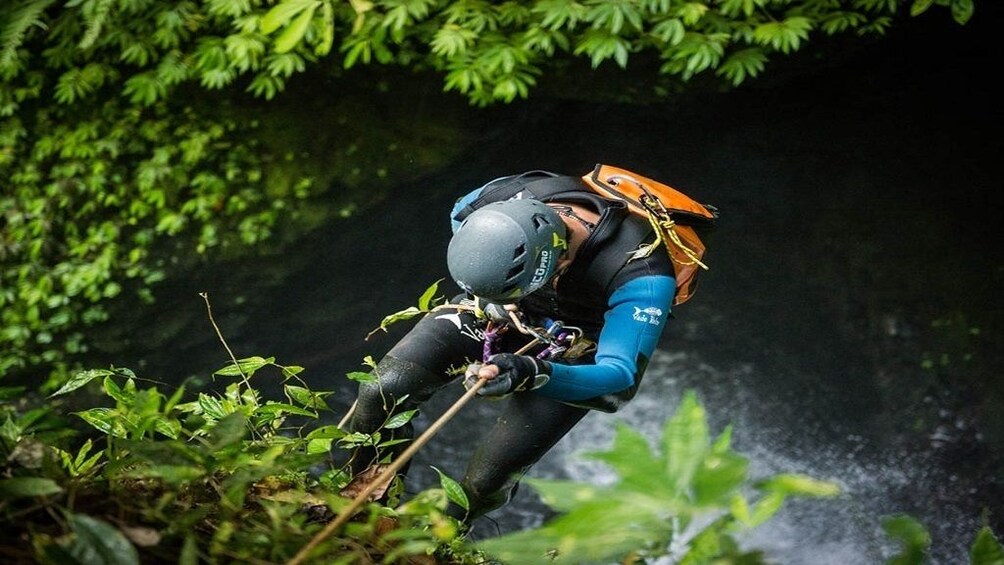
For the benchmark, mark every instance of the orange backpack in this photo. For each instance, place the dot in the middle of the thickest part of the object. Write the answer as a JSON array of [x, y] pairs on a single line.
[[674, 216]]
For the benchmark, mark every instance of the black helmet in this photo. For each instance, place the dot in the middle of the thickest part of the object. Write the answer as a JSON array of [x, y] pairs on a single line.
[[506, 250]]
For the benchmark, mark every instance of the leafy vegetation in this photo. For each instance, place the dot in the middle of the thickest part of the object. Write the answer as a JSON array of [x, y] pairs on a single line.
[[124, 124], [232, 477]]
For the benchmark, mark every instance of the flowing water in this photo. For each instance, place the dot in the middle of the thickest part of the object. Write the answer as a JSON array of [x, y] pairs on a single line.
[[861, 216]]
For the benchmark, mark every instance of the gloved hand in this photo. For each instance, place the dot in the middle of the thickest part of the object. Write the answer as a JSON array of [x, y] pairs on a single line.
[[515, 373]]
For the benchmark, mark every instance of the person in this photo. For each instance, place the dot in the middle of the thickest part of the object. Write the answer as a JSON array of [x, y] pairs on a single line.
[[533, 250]]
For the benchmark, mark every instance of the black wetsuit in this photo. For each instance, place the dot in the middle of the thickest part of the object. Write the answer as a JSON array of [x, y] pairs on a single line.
[[621, 305]]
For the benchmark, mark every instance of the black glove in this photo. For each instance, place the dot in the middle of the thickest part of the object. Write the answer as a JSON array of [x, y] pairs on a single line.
[[517, 373]]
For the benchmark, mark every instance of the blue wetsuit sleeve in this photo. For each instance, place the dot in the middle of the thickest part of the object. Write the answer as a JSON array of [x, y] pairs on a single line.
[[638, 311], [460, 204]]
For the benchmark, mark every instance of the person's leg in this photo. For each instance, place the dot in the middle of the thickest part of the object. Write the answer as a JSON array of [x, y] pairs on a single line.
[[423, 362], [529, 426]]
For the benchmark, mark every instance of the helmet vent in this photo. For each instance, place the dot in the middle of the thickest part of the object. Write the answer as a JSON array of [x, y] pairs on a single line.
[[514, 272], [519, 252], [539, 222]]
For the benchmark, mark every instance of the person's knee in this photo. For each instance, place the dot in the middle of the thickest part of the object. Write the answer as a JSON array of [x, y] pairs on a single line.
[[484, 494], [400, 385]]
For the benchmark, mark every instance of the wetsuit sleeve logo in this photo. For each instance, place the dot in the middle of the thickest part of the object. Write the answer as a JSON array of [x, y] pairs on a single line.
[[650, 315]]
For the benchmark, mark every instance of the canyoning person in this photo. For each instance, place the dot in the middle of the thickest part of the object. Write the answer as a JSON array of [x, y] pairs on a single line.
[[553, 260]]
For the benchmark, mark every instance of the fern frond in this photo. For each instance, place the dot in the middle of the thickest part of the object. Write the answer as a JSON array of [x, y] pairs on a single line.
[[15, 21]]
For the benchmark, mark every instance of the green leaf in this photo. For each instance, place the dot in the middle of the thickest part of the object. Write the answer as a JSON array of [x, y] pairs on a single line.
[[685, 442], [454, 492], [279, 408], [791, 484], [920, 6], [211, 406], [122, 397], [81, 379], [247, 366], [306, 397], [228, 431], [911, 534], [719, 475], [282, 13], [99, 543], [327, 432], [784, 36], [296, 30], [400, 419], [962, 10], [361, 377], [633, 459], [105, 420], [986, 549], [22, 487], [425, 302]]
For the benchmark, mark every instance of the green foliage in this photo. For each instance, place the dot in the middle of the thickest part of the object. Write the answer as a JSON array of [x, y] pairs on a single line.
[[218, 477], [233, 477], [686, 499], [911, 534], [121, 126], [426, 303]]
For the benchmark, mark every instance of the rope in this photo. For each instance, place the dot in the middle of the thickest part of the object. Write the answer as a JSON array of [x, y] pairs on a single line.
[[662, 223]]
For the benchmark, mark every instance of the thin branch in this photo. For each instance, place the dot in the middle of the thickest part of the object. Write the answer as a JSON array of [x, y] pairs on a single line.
[[209, 312]]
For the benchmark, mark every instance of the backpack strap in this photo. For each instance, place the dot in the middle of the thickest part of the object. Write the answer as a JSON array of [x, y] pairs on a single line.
[[541, 185]]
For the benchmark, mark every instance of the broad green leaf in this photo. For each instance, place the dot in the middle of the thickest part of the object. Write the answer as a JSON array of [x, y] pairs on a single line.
[[962, 10], [719, 476], [406, 314], [634, 461], [454, 491], [81, 379], [911, 534], [320, 445], [685, 442], [228, 431], [246, 366], [920, 6], [799, 485], [740, 509], [123, 397], [279, 408], [105, 420], [361, 377], [22, 487], [211, 406], [306, 397], [326, 432], [706, 545], [10, 431], [562, 495], [282, 13], [400, 419], [296, 30], [98, 543], [425, 302], [765, 508], [986, 549]]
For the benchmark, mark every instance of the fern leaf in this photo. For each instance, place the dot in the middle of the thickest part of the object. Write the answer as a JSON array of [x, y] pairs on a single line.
[[17, 20]]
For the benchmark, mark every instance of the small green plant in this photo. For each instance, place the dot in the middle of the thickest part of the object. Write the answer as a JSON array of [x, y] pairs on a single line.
[[223, 477], [688, 499]]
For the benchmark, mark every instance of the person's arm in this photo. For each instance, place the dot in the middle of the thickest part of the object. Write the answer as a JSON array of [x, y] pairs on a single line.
[[638, 311]]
